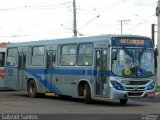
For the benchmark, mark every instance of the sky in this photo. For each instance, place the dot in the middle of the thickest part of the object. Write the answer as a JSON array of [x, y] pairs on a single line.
[[29, 20]]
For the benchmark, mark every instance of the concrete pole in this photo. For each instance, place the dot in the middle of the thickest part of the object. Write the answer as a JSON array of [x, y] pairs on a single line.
[[74, 19], [122, 21], [158, 42]]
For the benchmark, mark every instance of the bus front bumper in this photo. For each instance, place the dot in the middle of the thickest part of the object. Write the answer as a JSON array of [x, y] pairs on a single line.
[[120, 94]]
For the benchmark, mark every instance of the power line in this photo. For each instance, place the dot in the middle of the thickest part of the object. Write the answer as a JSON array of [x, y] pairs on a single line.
[[37, 6], [49, 6], [32, 34], [89, 21]]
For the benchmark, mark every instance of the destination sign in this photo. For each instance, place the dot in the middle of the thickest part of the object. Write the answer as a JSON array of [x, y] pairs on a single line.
[[134, 42], [131, 41]]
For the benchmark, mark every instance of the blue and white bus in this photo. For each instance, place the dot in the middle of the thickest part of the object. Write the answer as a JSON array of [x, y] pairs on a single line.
[[105, 67]]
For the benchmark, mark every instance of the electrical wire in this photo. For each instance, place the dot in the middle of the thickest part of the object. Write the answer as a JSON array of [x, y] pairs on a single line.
[[53, 6], [33, 34]]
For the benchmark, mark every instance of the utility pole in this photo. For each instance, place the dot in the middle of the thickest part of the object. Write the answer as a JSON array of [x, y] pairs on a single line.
[[122, 21], [74, 19], [158, 25], [153, 31], [158, 41]]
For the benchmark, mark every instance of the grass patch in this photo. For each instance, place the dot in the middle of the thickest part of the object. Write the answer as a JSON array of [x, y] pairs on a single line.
[[158, 88]]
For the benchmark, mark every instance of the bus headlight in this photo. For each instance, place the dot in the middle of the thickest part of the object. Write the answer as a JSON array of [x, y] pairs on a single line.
[[117, 85], [151, 85]]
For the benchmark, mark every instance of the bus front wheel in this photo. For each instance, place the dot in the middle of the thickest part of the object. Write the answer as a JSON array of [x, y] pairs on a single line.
[[87, 94], [32, 89]]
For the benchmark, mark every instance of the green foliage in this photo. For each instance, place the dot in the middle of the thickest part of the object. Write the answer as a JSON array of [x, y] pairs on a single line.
[[158, 88]]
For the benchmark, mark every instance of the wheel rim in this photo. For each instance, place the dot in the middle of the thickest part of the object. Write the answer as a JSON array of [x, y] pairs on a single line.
[[32, 89]]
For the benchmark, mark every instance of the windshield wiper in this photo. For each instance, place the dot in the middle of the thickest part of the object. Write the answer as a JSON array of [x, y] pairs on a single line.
[[128, 52], [140, 54]]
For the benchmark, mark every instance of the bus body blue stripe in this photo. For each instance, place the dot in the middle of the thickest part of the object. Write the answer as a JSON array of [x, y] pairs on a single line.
[[45, 83], [70, 72], [37, 73]]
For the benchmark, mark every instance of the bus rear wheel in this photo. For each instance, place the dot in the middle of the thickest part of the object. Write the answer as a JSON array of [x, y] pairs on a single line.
[[87, 94], [32, 89], [123, 101]]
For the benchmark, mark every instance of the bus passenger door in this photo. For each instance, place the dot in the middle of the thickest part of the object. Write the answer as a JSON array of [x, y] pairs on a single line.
[[101, 76], [50, 66], [21, 71]]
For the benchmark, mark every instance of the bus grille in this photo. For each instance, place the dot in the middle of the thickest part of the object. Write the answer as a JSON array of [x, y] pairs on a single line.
[[138, 82], [133, 88]]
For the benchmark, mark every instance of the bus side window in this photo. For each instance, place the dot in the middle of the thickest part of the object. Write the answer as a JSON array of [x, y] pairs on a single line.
[[12, 57], [85, 54], [38, 54], [53, 60], [98, 59], [68, 55]]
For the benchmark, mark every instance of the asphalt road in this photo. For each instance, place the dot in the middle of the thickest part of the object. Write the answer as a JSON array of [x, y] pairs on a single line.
[[18, 102]]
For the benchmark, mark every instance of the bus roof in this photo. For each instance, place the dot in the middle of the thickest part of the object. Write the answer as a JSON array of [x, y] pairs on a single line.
[[71, 40]]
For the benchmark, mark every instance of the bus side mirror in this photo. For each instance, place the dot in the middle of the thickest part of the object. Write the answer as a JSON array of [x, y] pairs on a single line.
[[155, 56], [114, 56], [156, 51]]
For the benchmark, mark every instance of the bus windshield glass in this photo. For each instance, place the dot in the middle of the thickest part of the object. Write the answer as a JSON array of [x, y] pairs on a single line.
[[136, 63]]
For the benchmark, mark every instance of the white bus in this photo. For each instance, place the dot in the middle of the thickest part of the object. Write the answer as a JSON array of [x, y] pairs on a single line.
[[2, 64], [105, 67]]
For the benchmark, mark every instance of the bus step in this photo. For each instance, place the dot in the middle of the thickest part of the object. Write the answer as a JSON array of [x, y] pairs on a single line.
[[49, 94]]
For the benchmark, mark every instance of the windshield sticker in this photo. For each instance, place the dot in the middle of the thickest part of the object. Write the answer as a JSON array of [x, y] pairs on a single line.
[[139, 72], [127, 71], [148, 57]]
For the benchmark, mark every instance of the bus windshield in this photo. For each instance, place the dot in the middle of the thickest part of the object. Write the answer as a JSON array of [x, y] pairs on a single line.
[[134, 63]]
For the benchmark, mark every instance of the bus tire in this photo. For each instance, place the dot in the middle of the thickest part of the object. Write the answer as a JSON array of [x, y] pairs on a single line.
[[87, 95], [123, 101], [32, 89]]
